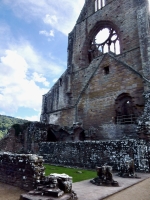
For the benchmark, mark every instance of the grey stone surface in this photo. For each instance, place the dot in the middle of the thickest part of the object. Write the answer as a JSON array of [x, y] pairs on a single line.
[[97, 193], [90, 154]]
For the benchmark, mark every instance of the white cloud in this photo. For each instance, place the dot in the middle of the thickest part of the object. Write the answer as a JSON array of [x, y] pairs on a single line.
[[13, 64], [17, 87], [60, 14], [40, 79], [50, 19], [21, 68], [46, 33], [35, 60], [32, 118]]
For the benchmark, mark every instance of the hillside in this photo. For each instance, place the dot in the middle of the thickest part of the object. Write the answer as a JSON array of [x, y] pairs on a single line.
[[6, 122]]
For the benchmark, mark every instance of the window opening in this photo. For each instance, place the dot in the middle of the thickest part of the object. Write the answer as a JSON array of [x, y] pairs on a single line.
[[106, 70], [51, 137], [99, 4], [60, 82], [105, 41]]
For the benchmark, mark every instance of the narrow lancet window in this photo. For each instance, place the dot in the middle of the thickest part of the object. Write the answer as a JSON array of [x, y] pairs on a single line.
[[99, 4]]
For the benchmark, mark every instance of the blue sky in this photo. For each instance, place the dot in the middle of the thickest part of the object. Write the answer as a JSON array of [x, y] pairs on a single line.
[[33, 51]]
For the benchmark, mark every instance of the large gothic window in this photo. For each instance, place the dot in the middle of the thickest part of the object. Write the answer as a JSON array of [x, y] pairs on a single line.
[[106, 40], [99, 4]]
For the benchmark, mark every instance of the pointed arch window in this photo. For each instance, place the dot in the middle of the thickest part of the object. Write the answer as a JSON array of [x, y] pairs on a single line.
[[99, 4], [106, 40]]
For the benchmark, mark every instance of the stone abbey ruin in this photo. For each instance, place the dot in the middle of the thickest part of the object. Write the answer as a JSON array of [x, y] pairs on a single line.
[[98, 112], [107, 71]]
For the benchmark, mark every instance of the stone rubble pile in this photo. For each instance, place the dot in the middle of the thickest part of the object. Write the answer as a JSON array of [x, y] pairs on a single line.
[[26, 171], [127, 168], [22, 170], [53, 186], [105, 177]]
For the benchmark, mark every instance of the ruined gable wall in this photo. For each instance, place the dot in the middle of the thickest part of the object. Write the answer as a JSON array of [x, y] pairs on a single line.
[[81, 77], [79, 80], [97, 104], [132, 58], [122, 14]]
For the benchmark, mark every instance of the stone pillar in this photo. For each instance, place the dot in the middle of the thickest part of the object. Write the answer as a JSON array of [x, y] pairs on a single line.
[[144, 36], [143, 128]]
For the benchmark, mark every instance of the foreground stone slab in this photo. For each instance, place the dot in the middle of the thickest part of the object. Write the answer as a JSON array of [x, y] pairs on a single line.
[[98, 193], [54, 186], [39, 197]]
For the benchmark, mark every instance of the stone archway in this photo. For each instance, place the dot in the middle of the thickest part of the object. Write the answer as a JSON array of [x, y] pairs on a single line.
[[125, 109], [79, 134]]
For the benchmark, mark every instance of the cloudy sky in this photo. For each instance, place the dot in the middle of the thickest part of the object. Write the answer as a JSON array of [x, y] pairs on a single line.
[[33, 51]]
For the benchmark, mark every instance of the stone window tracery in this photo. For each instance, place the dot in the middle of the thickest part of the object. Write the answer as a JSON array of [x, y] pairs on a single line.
[[105, 41], [99, 4]]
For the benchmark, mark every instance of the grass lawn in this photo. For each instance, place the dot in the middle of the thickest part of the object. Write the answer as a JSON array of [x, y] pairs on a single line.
[[76, 174]]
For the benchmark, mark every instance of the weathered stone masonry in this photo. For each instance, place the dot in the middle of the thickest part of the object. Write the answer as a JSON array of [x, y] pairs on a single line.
[[90, 154], [22, 170], [102, 85]]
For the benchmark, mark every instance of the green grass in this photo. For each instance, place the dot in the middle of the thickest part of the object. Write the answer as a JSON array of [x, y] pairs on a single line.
[[74, 173]]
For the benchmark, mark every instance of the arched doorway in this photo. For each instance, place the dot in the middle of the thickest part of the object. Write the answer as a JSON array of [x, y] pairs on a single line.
[[125, 109], [79, 134]]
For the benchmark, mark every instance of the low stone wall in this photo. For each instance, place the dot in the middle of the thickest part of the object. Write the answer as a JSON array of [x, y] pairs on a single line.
[[21, 170], [89, 154], [10, 143]]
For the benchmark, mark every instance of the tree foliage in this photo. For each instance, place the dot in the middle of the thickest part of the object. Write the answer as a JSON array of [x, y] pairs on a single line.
[[6, 122]]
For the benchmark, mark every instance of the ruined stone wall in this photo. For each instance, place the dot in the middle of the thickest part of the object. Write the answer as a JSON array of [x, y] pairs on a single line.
[[53, 100], [132, 58], [21, 170], [123, 17], [96, 153], [84, 92], [66, 117], [97, 104], [10, 142], [143, 21]]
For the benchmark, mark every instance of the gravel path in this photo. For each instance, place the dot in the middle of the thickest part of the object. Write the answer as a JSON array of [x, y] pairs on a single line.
[[8, 192], [126, 190], [140, 191]]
